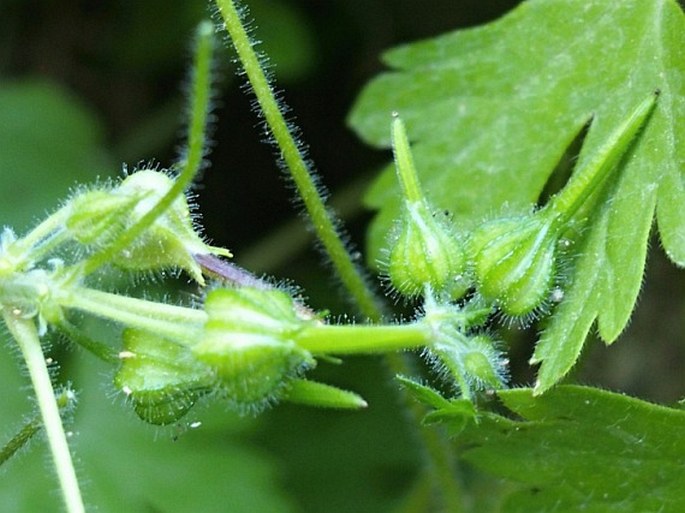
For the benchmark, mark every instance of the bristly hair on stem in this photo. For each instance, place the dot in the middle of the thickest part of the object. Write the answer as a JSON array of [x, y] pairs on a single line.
[[328, 229], [324, 223]]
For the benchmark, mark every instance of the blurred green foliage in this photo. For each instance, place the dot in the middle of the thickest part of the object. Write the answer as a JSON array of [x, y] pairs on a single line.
[[87, 86]]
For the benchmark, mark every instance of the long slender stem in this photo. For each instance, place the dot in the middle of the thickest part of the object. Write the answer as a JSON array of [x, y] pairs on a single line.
[[199, 108], [25, 333], [321, 218], [325, 227], [200, 96]]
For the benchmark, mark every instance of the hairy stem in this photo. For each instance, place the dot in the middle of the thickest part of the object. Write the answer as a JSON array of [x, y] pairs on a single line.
[[25, 333], [321, 218], [404, 163], [587, 179], [40, 240], [325, 227]]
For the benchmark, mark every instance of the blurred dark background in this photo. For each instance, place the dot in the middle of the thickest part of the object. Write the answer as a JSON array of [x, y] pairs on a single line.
[[124, 65]]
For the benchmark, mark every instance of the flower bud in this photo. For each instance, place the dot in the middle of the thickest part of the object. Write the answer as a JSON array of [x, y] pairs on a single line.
[[514, 262], [249, 342], [172, 240], [426, 252], [161, 377]]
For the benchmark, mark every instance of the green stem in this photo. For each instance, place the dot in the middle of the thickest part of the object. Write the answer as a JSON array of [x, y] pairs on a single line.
[[321, 218], [588, 178], [24, 332], [176, 322], [404, 163], [438, 451], [200, 97], [199, 106], [359, 339], [325, 227]]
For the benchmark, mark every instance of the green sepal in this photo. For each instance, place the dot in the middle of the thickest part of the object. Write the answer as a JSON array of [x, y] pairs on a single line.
[[95, 217], [422, 393], [313, 393], [161, 378], [458, 411], [249, 342]]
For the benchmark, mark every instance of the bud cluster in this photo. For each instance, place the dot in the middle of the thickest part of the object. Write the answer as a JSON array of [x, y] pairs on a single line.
[[247, 352], [512, 261]]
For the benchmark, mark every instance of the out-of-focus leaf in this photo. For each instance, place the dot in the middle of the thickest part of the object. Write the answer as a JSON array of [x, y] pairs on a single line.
[[582, 449], [491, 111], [49, 141]]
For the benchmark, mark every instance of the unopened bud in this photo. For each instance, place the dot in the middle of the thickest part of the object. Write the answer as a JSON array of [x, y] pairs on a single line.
[[172, 240], [514, 262], [426, 252], [96, 216], [249, 342]]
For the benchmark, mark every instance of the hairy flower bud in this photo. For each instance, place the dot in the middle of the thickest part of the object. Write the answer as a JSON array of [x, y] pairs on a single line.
[[483, 363], [249, 342], [96, 216], [172, 240], [426, 252], [514, 262]]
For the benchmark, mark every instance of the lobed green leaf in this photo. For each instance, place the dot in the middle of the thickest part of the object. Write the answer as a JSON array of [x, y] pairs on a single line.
[[581, 449]]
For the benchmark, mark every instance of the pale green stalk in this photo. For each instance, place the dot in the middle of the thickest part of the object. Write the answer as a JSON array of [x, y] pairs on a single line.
[[42, 239], [360, 339], [175, 322], [25, 333]]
